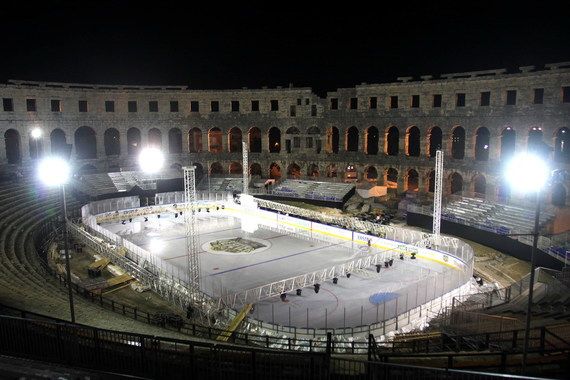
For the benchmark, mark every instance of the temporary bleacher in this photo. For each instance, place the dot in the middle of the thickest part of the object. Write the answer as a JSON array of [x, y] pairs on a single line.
[[499, 218], [312, 190], [221, 184], [109, 183]]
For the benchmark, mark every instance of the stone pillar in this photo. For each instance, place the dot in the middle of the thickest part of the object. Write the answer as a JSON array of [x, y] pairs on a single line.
[[265, 141], [123, 142], [446, 144], [225, 141], [401, 179], [469, 144], [402, 144], [494, 146], [100, 142]]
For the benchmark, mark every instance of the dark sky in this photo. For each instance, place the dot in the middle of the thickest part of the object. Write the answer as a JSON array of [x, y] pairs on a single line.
[[324, 47]]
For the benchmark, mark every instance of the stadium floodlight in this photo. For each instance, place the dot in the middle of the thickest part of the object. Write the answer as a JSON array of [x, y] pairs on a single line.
[[36, 133], [528, 173], [151, 160], [55, 171]]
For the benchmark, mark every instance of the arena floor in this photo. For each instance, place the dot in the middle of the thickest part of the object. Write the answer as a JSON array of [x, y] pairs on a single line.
[[354, 301]]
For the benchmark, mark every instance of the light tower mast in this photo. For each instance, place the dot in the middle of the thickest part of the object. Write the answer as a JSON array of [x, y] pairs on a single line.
[[245, 166], [192, 260], [438, 191]]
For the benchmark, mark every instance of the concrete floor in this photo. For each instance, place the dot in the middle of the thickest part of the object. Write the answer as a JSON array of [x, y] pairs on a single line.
[[347, 303]]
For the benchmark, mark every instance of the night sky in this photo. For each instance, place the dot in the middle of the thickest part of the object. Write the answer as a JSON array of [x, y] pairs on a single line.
[[222, 47]]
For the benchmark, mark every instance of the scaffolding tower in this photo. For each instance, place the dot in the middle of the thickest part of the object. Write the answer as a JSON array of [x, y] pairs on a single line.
[[192, 260], [438, 191], [245, 165]]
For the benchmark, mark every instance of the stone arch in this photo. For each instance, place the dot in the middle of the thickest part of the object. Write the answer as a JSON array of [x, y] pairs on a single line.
[[392, 141], [254, 136], [435, 141], [534, 142], [351, 138], [294, 171], [175, 141], [133, 141], [431, 181], [177, 166], [215, 140], [314, 139], [479, 184], [332, 171], [482, 142], [455, 183], [216, 169], [292, 139], [235, 168], [195, 140], [313, 171], [58, 141], [36, 147], [333, 138], [112, 142], [12, 146], [274, 138], [274, 171], [559, 194], [391, 178], [234, 140], [562, 145], [155, 138], [85, 143], [412, 180], [413, 141], [458, 143], [255, 169], [372, 137], [370, 173], [508, 143]]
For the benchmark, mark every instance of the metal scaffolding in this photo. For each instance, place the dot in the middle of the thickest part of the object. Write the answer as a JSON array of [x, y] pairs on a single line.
[[438, 191], [192, 260], [245, 168]]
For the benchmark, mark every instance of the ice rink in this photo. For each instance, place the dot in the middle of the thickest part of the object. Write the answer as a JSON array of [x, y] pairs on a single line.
[[364, 298]]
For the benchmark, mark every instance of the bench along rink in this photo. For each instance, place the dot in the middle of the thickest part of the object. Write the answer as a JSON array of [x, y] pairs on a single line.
[[249, 255]]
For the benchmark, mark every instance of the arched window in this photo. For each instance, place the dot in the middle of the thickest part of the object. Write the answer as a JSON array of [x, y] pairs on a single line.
[[175, 141], [199, 171], [561, 145], [479, 184], [435, 141], [392, 141], [12, 146], [313, 170], [351, 139], [482, 142], [194, 140], [456, 183], [274, 171], [255, 169], [314, 136], [112, 142], [36, 147], [412, 180], [535, 143], [391, 180], [85, 143], [215, 140], [508, 141], [274, 136], [216, 169], [254, 140], [458, 143], [350, 173], [59, 146], [155, 138], [331, 171], [133, 141], [371, 173], [294, 171], [559, 195], [372, 136], [332, 140], [234, 140], [413, 142], [236, 168]]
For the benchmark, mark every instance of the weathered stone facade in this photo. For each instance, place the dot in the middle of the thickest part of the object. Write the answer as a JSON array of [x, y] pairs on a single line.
[[315, 133]]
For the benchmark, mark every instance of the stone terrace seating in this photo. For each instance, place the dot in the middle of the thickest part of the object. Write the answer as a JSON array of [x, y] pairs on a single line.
[[322, 191]]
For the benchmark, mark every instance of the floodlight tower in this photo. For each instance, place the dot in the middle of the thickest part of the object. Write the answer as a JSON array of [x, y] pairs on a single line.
[[192, 260], [245, 166], [438, 191], [53, 172]]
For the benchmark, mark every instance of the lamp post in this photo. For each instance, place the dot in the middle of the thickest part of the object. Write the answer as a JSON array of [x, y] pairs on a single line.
[[529, 174], [36, 134], [54, 171]]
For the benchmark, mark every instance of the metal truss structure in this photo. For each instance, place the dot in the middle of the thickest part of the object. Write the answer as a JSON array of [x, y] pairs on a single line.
[[192, 259], [438, 191], [245, 167]]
